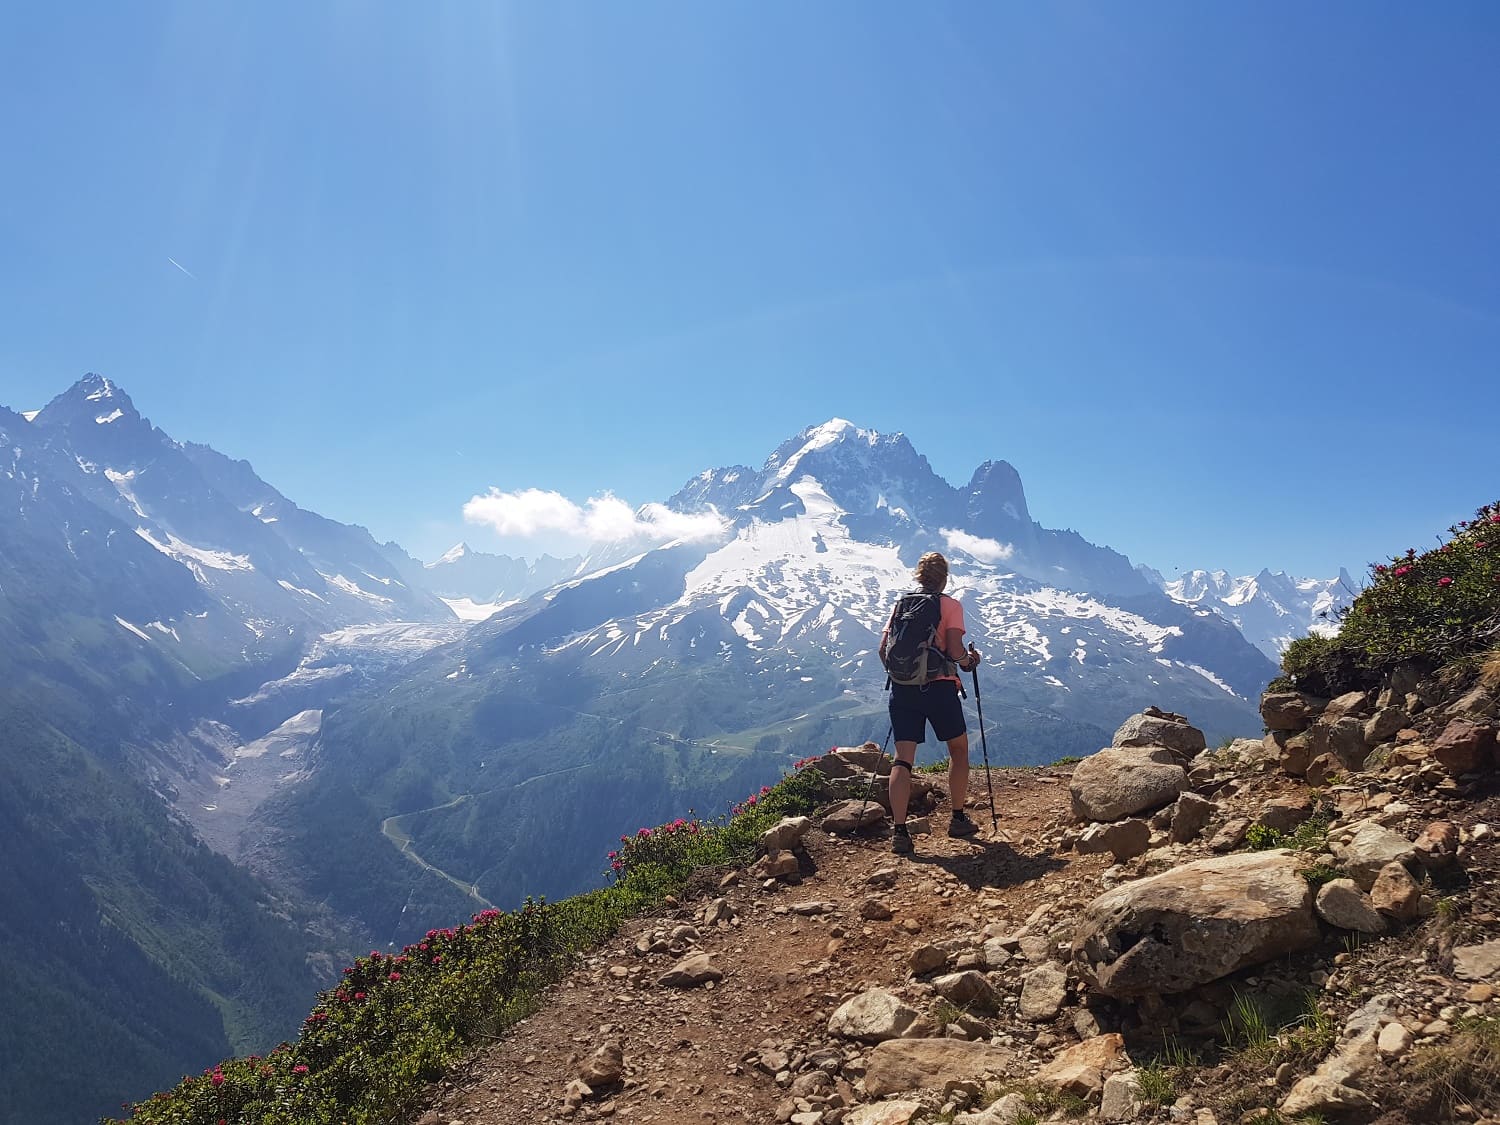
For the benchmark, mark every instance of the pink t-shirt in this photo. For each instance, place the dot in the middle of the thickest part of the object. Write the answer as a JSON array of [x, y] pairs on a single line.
[[950, 616]]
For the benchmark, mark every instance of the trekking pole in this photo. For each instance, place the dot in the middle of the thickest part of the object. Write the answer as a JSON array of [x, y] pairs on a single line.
[[984, 744], [870, 788]]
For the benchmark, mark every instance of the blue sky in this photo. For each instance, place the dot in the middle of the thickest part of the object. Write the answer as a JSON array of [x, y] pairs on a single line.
[[1222, 282]]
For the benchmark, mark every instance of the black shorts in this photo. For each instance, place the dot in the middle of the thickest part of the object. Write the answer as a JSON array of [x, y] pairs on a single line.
[[912, 708]]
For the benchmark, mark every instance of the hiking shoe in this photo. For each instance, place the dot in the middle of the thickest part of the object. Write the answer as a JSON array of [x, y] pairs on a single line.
[[901, 841], [961, 825]]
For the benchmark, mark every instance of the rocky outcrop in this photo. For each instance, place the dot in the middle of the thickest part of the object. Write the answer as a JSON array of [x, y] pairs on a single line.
[[1155, 727], [1114, 784], [1194, 924]]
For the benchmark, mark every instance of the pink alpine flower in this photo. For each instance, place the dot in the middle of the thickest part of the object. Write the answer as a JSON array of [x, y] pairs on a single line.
[[299, 1069], [1445, 582], [1401, 571]]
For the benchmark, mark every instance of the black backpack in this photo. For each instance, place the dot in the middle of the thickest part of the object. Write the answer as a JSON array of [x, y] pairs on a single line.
[[913, 651]]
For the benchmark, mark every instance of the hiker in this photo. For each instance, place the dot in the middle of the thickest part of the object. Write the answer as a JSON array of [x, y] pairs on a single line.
[[922, 649]]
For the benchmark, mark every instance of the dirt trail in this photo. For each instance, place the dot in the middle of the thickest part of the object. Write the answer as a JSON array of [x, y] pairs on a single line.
[[784, 974]]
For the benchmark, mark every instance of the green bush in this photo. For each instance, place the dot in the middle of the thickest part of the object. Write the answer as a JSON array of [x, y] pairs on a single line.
[[1437, 605], [398, 1022]]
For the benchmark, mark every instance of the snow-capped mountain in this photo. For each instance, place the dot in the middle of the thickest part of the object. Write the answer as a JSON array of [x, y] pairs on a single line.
[[821, 540], [1271, 608], [693, 667], [475, 584]]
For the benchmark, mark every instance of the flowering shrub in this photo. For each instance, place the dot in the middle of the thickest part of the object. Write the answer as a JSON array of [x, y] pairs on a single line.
[[1443, 603], [673, 851], [397, 1022]]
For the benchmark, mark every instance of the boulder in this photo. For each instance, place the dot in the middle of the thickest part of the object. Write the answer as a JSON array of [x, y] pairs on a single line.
[[1154, 727], [1043, 992], [786, 834], [852, 816], [1190, 816], [1465, 747], [1367, 848], [1396, 894], [1082, 1069], [897, 1065], [1114, 784], [1290, 710], [872, 1017], [1340, 903], [1194, 924], [967, 989], [691, 972]]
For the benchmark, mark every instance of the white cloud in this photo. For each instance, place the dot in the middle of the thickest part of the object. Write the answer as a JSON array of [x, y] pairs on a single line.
[[601, 519], [985, 550]]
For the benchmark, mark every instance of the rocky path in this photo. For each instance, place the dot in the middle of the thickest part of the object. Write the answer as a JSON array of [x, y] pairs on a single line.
[[1164, 933], [789, 957]]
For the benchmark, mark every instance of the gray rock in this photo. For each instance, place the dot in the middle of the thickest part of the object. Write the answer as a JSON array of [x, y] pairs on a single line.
[[926, 959], [1341, 903], [1315, 1094], [1368, 848], [1477, 962], [898, 1065], [1384, 724], [1124, 839], [1352, 703], [1043, 993], [719, 910], [1194, 924], [1232, 835], [872, 1017], [1190, 816], [1122, 1097], [1346, 741], [885, 1113], [1113, 784], [691, 972], [852, 816], [1290, 710], [1154, 727], [967, 989], [786, 834]]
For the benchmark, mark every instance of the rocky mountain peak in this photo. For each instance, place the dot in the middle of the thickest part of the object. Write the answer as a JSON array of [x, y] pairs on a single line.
[[94, 400]]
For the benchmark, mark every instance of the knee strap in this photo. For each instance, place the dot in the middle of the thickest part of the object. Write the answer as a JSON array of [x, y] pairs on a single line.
[[904, 765]]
